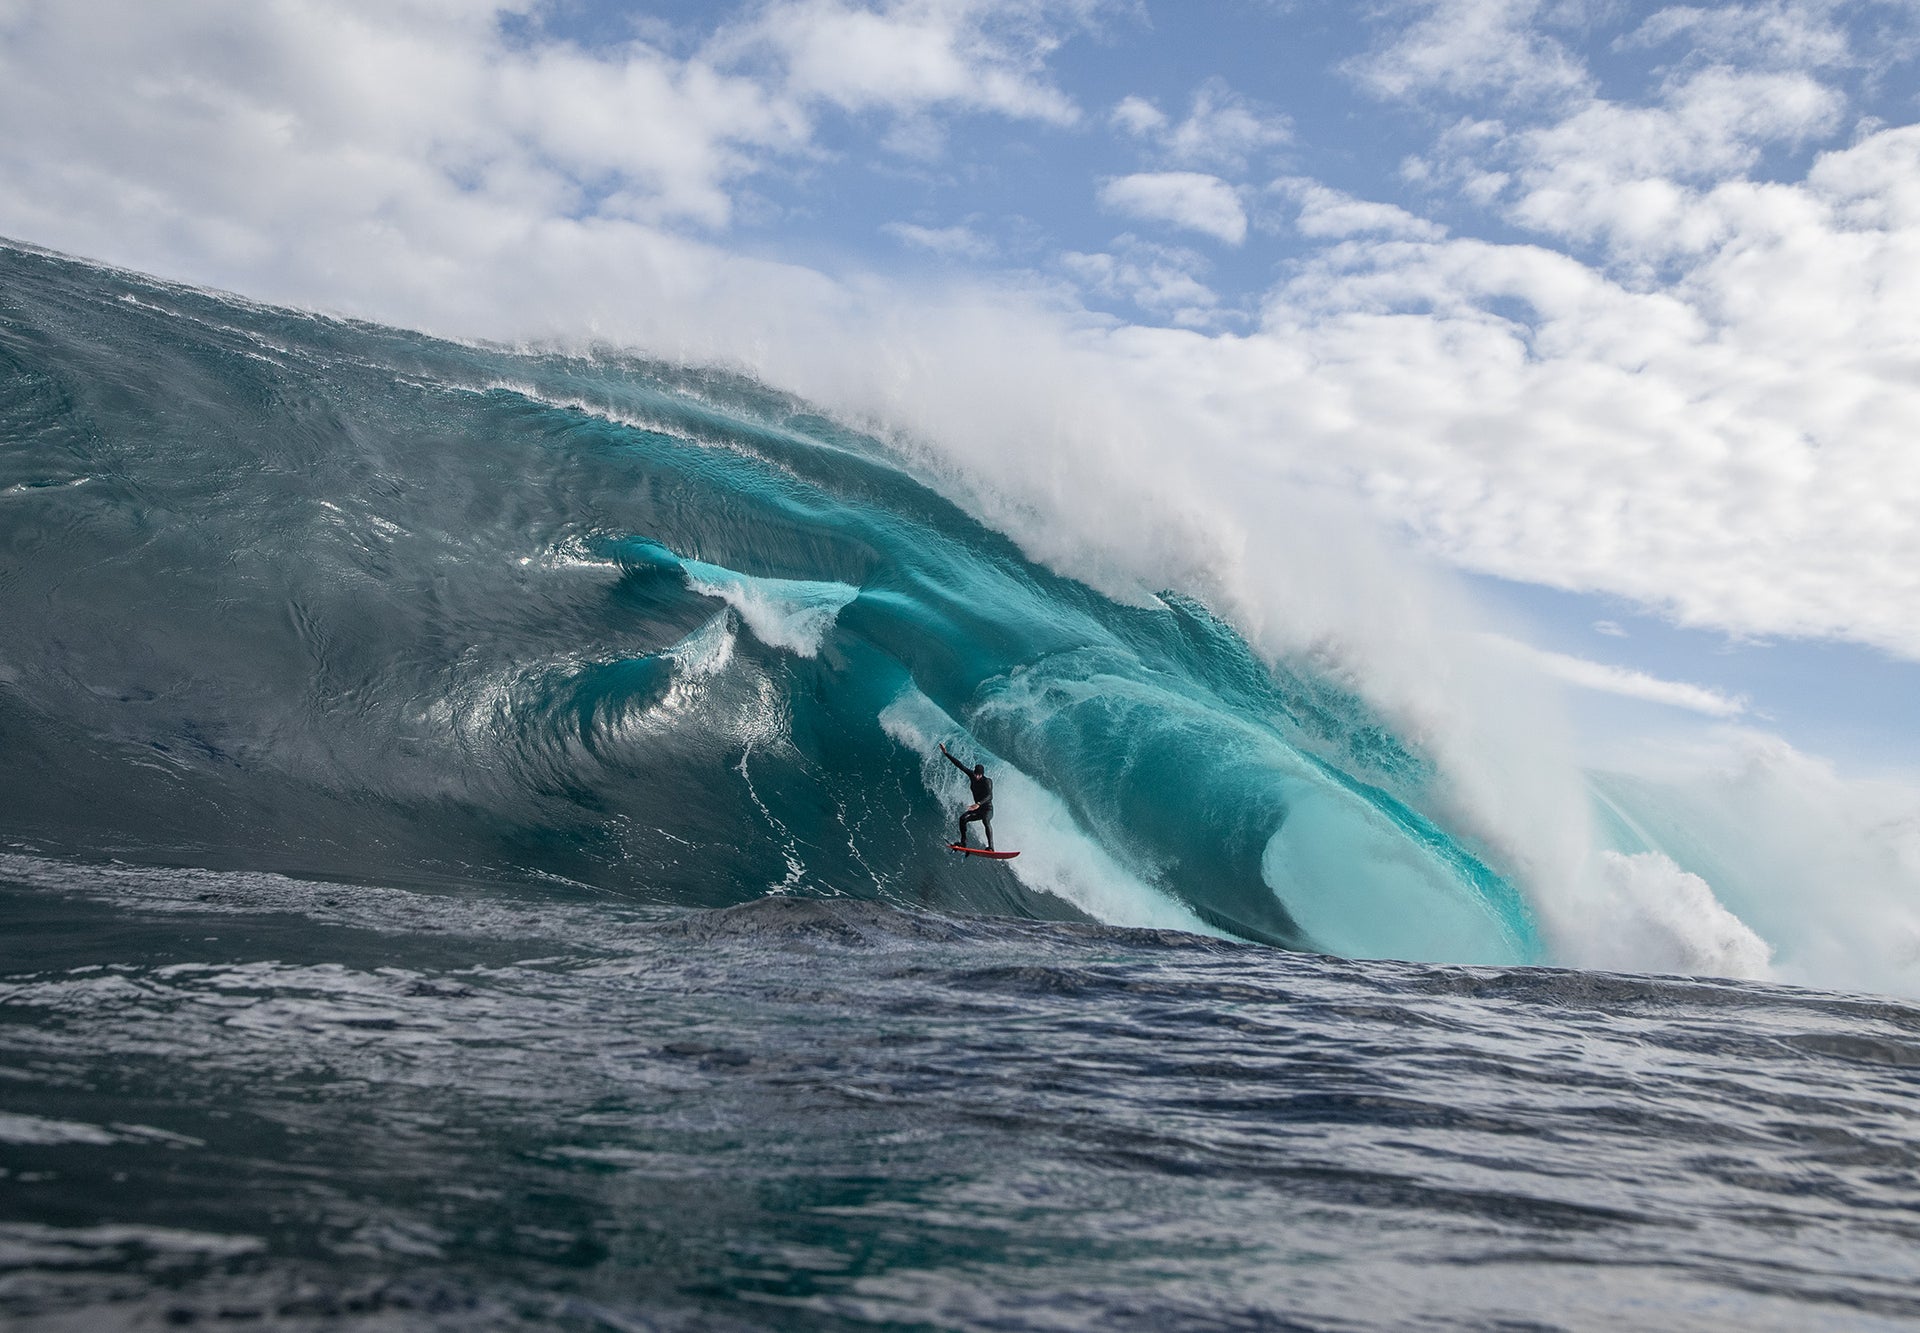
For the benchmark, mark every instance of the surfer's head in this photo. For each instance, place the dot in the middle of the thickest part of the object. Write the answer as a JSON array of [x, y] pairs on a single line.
[[979, 770]]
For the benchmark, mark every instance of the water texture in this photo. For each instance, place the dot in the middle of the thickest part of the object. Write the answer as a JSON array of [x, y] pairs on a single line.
[[328, 1106], [471, 857], [285, 592]]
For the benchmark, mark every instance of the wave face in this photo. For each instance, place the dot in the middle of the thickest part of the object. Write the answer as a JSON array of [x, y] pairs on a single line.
[[289, 593]]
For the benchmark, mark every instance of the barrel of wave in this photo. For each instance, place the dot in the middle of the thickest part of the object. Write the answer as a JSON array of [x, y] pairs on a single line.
[[1364, 885], [1210, 801], [1058, 856]]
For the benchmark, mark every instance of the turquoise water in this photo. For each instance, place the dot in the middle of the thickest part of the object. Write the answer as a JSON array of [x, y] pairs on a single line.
[[394, 607], [472, 857]]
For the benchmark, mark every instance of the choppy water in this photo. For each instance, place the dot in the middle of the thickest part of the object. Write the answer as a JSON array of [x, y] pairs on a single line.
[[237, 1097], [471, 857]]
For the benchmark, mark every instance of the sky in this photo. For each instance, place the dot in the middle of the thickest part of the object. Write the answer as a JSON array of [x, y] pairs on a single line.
[[1609, 311]]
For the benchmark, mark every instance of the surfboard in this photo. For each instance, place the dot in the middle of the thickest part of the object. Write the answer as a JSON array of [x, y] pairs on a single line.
[[982, 851]]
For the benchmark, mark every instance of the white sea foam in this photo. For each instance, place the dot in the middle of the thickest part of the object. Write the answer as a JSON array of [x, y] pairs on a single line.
[[573, 553], [37, 1131], [1824, 869], [1668, 920], [791, 614], [707, 650]]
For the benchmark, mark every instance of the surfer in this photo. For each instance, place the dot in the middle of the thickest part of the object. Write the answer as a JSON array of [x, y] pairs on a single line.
[[982, 807]]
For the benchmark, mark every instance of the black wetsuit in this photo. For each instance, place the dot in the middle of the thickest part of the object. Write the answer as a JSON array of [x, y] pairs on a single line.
[[982, 810], [982, 792]]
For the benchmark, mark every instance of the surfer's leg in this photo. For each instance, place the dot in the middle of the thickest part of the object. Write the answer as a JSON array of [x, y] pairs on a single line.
[[987, 824]]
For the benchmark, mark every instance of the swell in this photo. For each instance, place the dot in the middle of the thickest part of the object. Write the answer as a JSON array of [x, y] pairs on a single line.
[[289, 593]]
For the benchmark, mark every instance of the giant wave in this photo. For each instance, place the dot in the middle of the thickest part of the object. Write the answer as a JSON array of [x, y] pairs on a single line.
[[303, 594]]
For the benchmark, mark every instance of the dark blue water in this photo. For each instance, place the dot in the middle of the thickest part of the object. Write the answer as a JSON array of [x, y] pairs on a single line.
[[471, 835], [238, 1097]]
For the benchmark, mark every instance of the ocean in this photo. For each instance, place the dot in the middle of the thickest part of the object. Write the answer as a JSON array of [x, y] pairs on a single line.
[[472, 855]]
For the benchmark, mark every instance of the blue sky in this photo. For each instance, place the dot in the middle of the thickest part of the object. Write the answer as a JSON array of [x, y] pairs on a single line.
[[1859, 706], [1609, 308]]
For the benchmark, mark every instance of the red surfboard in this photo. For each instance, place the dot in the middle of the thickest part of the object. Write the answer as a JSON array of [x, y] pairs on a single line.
[[982, 851]]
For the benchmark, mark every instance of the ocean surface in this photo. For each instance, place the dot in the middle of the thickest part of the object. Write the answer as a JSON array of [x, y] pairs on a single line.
[[472, 856]]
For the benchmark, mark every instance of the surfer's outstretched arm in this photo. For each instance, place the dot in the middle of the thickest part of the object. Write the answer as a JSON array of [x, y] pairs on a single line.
[[955, 762]]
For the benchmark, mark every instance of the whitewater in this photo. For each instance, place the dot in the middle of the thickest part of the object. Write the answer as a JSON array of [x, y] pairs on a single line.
[[472, 855]]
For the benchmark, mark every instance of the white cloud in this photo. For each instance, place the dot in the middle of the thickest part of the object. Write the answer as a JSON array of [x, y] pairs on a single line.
[[979, 55], [250, 123], [1734, 448], [1324, 211], [260, 116], [954, 242], [1188, 199], [1711, 421], [1624, 681], [1629, 174], [1467, 47], [1791, 34], [1136, 115], [1633, 177], [1222, 130], [1158, 278]]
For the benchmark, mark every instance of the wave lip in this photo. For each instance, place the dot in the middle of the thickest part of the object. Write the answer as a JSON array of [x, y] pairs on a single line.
[[794, 614]]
